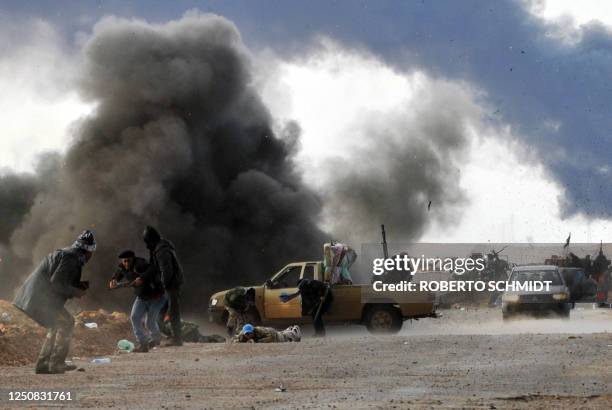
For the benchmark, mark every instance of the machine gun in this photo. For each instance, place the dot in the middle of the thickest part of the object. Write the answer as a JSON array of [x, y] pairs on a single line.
[[496, 268], [496, 253]]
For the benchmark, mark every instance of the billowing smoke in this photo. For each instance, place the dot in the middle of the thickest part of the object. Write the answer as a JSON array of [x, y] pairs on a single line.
[[555, 95], [404, 167], [17, 193], [179, 139], [380, 145]]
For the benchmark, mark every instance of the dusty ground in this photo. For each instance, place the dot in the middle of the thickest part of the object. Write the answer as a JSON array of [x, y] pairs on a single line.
[[21, 338], [465, 359]]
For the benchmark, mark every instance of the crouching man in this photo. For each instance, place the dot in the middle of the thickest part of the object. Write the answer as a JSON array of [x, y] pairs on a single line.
[[238, 301], [260, 334], [317, 299], [44, 293], [150, 299]]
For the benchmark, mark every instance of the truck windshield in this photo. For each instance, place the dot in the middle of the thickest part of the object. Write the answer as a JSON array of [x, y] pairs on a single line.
[[289, 278], [523, 276]]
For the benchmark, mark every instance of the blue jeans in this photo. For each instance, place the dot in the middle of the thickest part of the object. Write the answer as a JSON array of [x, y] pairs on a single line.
[[150, 309]]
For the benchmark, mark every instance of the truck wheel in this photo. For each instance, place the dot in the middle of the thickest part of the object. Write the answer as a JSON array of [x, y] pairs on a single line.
[[383, 319], [565, 311]]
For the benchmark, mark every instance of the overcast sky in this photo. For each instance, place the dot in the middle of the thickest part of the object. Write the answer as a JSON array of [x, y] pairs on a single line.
[[540, 73]]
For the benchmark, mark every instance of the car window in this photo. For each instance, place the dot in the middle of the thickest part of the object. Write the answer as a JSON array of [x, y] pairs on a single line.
[[289, 278], [537, 276], [309, 271]]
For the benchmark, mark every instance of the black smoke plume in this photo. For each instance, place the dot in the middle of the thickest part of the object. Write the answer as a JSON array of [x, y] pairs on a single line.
[[180, 140]]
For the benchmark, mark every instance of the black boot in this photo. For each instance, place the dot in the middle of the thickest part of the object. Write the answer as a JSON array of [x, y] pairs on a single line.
[[61, 368], [141, 348]]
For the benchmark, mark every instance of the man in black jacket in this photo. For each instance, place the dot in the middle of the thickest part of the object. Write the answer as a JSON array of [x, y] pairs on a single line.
[[317, 299], [136, 272], [163, 258], [44, 293]]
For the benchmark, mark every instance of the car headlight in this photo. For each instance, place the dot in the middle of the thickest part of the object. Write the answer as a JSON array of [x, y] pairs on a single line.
[[511, 298], [560, 296], [213, 302]]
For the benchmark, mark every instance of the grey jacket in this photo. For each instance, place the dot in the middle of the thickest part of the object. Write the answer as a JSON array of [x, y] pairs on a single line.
[[53, 282], [165, 260]]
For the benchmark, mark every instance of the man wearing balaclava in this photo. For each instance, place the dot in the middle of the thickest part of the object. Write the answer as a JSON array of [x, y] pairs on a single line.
[[44, 294], [163, 257]]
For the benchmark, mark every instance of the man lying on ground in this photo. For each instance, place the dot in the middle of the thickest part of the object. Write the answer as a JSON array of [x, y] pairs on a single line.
[[260, 334]]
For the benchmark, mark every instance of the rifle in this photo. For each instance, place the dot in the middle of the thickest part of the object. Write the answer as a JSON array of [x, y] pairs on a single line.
[[327, 290]]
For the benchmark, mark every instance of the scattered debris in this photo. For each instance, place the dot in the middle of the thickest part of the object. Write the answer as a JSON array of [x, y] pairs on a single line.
[[6, 318], [101, 360], [280, 389], [91, 325], [125, 345], [80, 369]]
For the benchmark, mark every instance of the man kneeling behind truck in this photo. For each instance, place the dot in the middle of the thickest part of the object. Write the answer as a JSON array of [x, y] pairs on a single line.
[[238, 302]]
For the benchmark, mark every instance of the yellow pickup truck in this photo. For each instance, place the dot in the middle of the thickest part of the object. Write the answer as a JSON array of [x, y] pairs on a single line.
[[380, 312]]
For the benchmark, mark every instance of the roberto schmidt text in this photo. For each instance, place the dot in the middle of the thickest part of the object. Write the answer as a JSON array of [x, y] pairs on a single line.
[[462, 286]]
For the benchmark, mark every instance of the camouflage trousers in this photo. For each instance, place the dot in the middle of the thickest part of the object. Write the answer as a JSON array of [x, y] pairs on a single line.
[[291, 334], [57, 344], [271, 335]]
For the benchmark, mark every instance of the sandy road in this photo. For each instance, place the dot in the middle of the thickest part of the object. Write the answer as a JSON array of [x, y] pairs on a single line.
[[465, 359]]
